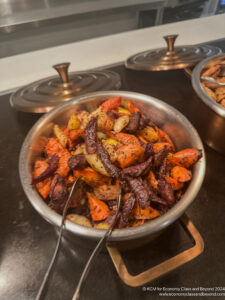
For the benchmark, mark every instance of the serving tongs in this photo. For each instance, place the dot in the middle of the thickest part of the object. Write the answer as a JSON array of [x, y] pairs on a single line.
[[55, 254], [97, 250]]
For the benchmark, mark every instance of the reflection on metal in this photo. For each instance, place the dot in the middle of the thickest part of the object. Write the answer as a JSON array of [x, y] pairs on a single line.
[[171, 57], [164, 267], [43, 95]]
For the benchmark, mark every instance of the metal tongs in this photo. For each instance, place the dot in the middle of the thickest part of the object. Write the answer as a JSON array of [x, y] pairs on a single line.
[[52, 262], [97, 250]]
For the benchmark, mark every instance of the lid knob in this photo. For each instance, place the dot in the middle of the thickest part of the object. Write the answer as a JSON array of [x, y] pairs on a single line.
[[170, 40], [62, 69]]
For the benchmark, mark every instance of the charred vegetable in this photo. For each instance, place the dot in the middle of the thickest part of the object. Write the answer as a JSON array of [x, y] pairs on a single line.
[[91, 136], [53, 162], [58, 193]]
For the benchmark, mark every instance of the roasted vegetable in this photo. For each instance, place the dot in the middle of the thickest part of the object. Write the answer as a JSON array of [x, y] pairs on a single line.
[[138, 170], [166, 191], [140, 191], [53, 162], [186, 158], [77, 162], [146, 213], [181, 174], [91, 136], [121, 123], [91, 177], [43, 187], [73, 122], [78, 219], [105, 158], [111, 104], [58, 193], [107, 192], [126, 210], [149, 134], [53, 147], [63, 168], [128, 154], [134, 122], [62, 138], [99, 210], [124, 138]]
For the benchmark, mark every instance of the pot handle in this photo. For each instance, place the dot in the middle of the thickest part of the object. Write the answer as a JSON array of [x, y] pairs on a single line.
[[164, 267]]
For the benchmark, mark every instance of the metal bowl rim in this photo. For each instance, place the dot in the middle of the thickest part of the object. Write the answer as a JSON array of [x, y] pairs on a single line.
[[119, 234], [216, 107]]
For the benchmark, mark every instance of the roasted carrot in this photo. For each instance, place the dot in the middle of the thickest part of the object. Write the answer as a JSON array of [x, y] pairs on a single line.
[[63, 168], [163, 136], [152, 180], [91, 177], [110, 104], [76, 133], [131, 107], [146, 213], [54, 147], [43, 187], [128, 154], [159, 146], [186, 158], [124, 138], [181, 174], [142, 139], [98, 209], [176, 185]]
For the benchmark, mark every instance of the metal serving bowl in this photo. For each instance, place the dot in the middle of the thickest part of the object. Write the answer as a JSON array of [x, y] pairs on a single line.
[[208, 115], [169, 119]]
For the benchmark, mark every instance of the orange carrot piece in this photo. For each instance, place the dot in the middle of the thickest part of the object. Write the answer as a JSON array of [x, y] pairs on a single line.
[[110, 104], [165, 138], [76, 133], [43, 187], [176, 185], [181, 174], [186, 158], [142, 139], [91, 177], [152, 180], [146, 213], [124, 138], [132, 108], [160, 146], [63, 168], [66, 131], [128, 154], [98, 209], [54, 147]]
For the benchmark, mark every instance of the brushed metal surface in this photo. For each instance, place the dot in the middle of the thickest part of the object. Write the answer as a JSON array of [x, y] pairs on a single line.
[[43, 95], [211, 121], [170, 58], [168, 118]]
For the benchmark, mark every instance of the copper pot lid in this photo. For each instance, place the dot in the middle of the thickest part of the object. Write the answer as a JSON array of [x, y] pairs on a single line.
[[170, 58], [43, 95]]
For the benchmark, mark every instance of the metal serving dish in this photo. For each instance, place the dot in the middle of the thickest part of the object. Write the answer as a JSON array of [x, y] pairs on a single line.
[[169, 119], [208, 116]]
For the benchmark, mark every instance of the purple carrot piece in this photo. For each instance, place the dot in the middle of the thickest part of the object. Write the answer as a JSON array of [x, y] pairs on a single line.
[[58, 193], [126, 210], [153, 197], [91, 136], [159, 157], [148, 150], [77, 162], [143, 122], [134, 122], [166, 191], [138, 170], [140, 191], [114, 171], [53, 163]]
